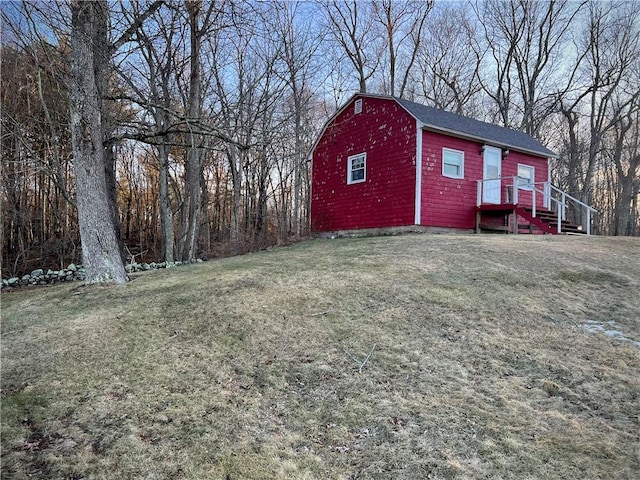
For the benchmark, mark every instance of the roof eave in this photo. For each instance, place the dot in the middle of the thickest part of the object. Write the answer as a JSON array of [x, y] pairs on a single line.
[[456, 133]]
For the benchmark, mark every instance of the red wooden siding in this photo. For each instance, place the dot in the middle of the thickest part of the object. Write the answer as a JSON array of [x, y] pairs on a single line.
[[386, 132], [510, 168], [450, 203]]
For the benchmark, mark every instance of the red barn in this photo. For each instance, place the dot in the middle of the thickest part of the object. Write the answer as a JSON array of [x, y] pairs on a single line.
[[387, 163]]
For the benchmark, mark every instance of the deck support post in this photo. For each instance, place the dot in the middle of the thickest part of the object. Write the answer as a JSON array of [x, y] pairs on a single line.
[[515, 221], [478, 215]]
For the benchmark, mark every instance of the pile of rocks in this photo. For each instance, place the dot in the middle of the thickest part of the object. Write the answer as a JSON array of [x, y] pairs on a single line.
[[77, 272], [39, 277]]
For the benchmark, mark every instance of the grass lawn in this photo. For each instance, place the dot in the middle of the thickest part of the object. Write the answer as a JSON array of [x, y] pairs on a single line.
[[408, 357]]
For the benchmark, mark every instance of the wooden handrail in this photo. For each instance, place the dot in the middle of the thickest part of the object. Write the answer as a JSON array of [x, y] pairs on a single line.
[[571, 197], [548, 194]]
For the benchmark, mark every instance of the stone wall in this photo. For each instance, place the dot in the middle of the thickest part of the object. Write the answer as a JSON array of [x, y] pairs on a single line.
[[77, 272]]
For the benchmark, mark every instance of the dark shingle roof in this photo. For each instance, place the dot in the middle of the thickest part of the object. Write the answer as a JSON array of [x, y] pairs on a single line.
[[448, 122]]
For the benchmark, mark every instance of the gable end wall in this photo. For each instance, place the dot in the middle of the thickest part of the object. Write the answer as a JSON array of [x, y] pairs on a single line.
[[387, 133]]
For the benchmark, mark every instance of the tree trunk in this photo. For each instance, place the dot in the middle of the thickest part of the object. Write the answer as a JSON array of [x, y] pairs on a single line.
[[234, 239], [299, 155], [112, 183], [624, 207], [90, 56], [166, 214], [193, 167]]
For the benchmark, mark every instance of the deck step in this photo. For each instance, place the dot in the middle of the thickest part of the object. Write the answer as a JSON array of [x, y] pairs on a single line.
[[545, 221], [550, 218]]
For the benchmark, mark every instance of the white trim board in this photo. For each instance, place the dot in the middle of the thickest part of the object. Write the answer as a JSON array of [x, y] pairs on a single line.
[[418, 205]]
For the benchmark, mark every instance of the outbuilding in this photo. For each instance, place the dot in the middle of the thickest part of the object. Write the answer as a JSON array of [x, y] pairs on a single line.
[[385, 163]]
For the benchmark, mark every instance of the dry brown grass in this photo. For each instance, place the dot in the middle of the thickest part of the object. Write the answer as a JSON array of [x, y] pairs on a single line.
[[252, 367]]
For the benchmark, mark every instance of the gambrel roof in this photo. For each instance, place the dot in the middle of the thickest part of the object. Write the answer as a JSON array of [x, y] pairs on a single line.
[[458, 125]]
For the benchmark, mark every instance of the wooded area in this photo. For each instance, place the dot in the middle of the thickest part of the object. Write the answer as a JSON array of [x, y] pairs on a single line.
[[207, 110]]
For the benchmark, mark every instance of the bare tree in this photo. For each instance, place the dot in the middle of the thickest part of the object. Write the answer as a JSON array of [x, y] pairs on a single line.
[[352, 26], [230, 94], [159, 41], [248, 86], [606, 99], [299, 45], [89, 65], [625, 155], [402, 25], [524, 39], [191, 209], [38, 199], [447, 68]]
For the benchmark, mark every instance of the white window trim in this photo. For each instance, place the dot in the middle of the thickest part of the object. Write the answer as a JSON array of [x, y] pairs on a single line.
[[457, 152], [350, 160], [357, 108], [533, 177]]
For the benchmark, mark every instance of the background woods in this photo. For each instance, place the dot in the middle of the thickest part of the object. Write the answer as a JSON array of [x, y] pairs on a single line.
[[209, 109]]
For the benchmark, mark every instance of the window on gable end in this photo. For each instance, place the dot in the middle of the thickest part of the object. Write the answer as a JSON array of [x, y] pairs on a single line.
[[357, 107], [526, 176], [356, 168], [452, 163]]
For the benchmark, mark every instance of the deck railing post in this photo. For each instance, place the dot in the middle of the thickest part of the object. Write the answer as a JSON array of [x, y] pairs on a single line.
[[533, 197], [515, 190], [479, 194], [560, 198], [547, 196], [560, 218]]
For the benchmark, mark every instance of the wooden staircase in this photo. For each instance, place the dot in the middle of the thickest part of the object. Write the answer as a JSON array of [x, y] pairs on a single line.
[[501, 218], [547, 221], [510, 208]]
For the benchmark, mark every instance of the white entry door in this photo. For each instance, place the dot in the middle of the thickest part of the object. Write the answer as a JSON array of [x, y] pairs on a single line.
[[491, 175]]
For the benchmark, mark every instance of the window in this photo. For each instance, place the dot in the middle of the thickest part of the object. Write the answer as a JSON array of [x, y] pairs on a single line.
[[526, 177], [452, 163], [356, 166], [358, 106]]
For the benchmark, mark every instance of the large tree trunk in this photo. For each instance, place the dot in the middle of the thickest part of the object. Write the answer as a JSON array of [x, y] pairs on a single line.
[[90, 56], [193, 167]]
